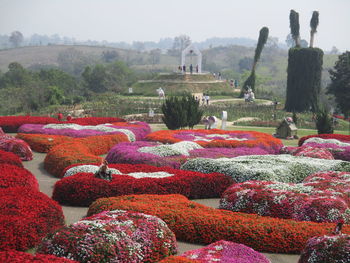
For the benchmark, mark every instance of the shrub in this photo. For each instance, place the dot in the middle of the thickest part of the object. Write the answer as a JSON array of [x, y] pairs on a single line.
[[10, 158], [324, 122], [13, 256], [14, 176]]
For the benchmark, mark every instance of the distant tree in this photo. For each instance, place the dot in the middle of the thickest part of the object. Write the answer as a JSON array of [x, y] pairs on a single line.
[[313, 24], [55, 95], [250, 82], [16, 76], [74, 61], [295, 27], [340, 83], [334, 51], [194, 113], [95, 79], [175, 115], [245, 64], [110, 55], [154, 56], [179, 44], [138, 45], [16, 38]]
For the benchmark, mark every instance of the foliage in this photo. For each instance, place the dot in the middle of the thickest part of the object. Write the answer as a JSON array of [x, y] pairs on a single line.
[[324, 121], [313, 24], [340, 82], [16, 38], [294, 26]]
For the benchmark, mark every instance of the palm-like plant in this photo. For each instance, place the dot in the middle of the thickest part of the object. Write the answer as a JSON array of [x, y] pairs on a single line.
[[313, 25], [295, 27]]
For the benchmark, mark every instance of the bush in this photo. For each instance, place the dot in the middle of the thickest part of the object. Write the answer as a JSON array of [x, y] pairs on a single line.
[[324, 122]]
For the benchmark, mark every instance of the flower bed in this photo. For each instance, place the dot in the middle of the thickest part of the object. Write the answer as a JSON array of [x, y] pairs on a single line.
[[301, 202], [13, 256], [281, 168], [134, 130], [26, 216], [80, 150], [10, 158], [94, 120], [14, 176], [339, 137], [113, 236], [196, 223], [172, 155], [219, 138], [334, 248], [178, 259], [17, 146], [308, 151], [42, 142], [80, 187]]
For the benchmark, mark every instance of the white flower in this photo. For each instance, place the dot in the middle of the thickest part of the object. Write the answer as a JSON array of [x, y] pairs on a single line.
[[320, 140], [179, 148], [150, 175]]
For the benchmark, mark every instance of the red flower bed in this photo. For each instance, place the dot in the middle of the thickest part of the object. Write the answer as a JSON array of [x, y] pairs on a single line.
[[196, 223], [14, 256], [82, 189], [80, 150], [42, 142], [94, 120], [14, 176], [26, 217], [207, 138], [340, 137], [10, 158]]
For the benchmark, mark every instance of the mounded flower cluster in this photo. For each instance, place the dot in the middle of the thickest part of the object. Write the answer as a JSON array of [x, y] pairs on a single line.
[[80, 150], [301, 202], [26, 216], [10, 158], [134, 130], [17, 146], [113, 236], [14, 176], [80, 187], [13, 256], [172, 155], [219, 138], [94, 120], [281, 168], [308, 151], [196, 223], [339, 137], [335, 249], [178, 259]]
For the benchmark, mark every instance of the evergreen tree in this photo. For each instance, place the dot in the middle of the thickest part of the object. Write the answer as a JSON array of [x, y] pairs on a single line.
[[175, 115], [324, 122], [295, 27], [313, 25], [194, 114]]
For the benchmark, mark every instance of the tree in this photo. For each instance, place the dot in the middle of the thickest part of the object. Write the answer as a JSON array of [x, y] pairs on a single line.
[[154, 56], [313, 24], [250, 82], [179, 44], [294, 27], [245, 64], [16, 38], [324, 122], [95, 79], [194, 114], [340, 83], [110, 55]]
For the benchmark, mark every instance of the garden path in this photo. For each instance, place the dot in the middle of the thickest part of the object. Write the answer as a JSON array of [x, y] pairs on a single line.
[[73, 214]]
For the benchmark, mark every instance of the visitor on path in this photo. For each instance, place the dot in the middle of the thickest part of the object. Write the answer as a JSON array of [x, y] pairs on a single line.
[[203, 99], [161, 93], [251, 96], [59, 116], [219, 76], [69, 117], [197, 68], [191, 69], [179, 68], [184, 69], [207, 98], [246, 96]]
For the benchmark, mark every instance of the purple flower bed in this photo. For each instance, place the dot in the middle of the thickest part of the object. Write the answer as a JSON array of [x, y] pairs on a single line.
[[128, 153], [134, 130]]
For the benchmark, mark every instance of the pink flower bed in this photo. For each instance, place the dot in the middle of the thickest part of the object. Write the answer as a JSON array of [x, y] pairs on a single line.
[[330, 248], [13, 256], [16, 146], [130, 153], [80, 187], [308, 151], [14, 176], [134, 130], [339, 137], [113, 236]]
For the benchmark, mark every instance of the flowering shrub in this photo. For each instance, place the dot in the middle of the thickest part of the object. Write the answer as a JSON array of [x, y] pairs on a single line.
[[14, 176], [12, 123], [335, 249], [81, 187], [301, 202], [42, 142], [178, 259], [172, 155], [113, 236], [10, 158], [226, 252], [26, 216], [134, 130], [17, 146], [219, 138], [339, 137], [196, 223], [281, 168], [94, 120], [13, 256], [308, 151], [80, 150]]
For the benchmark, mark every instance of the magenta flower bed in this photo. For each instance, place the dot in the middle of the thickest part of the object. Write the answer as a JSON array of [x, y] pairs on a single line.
[[339, 153], [113, 236], [302, 202], [139, 129], [226, 252], [128, 153]]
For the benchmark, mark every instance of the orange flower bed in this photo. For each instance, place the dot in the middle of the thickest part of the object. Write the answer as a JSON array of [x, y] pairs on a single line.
[[219, 138], [196, 223], [178, 259], [80, 150], [42, 142]]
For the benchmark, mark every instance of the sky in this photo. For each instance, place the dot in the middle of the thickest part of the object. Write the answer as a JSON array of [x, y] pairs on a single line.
[[151, 20]]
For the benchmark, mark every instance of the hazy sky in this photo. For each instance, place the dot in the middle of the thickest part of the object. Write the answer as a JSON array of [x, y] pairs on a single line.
[[150, 20]]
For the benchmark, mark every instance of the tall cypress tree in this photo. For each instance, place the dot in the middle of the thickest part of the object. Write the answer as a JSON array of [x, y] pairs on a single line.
[[313, 25], [250, 81], [294, 27]]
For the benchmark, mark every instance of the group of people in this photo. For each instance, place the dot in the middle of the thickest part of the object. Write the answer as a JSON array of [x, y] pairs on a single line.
[[183, 69], [205, 99], [249, 95], [60, 117]]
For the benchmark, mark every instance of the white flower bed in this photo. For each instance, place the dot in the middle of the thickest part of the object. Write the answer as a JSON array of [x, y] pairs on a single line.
[[101, 127], [332, 141], [281, 168], [179, 148], [210, 137]]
